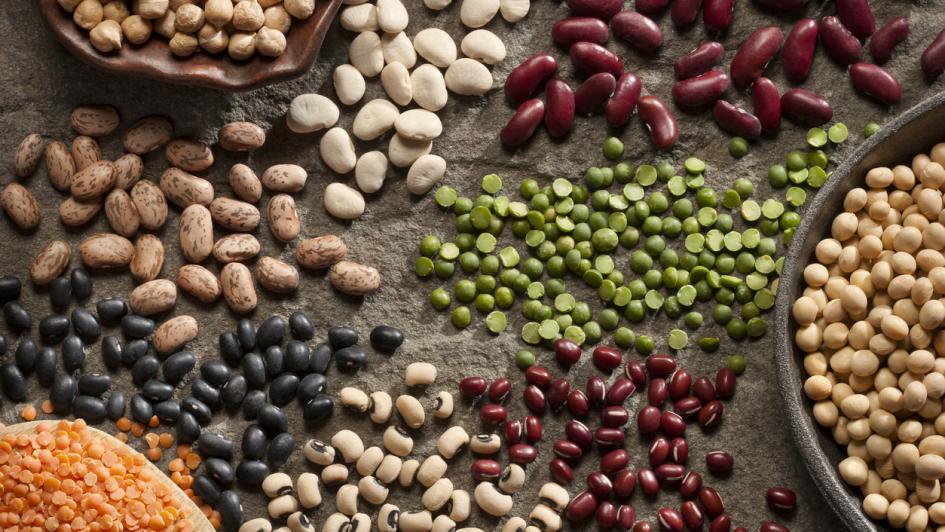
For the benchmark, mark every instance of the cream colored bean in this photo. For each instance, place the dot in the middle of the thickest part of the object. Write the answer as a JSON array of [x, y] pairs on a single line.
[[282, 506], [389, 469], [372, 490], [425, 172], [478, 13], [349, 83], [346, 499], [397, 48], [337, 150], [428, 87], [468, 77], [370, 171], [455, 439], [437, 495], [397, 441], [343, 202], [395, 78], [349, 444], [366, 54], [408, 473], [373, 120], [492, 501], [312, 112], [359, 18], [436, 46], [381, 407], [460, 506], [404, 152], [318, 452], [410, 410], [485, 444], [512, 479], [443, 405]]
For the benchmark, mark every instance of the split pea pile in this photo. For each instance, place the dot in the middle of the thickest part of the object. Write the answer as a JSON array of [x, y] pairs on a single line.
[[870, 323]]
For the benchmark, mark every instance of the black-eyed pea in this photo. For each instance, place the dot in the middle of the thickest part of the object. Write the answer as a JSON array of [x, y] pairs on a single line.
[[485, 443], [369, 461], [443, 405], [389, 469], [460, 506], [431, 470], [545, 518], [410, 410], [337, 522], [260, 524], [452, 442], [397, 441], [354, 399], [420, 374], [346, 499], [387, 518], [381, 407], [310, 495], [334, 475], [554, 496], [349, 444], [360, 522], [408, 473], [443, 523], [318, 452], [512, 479], [282, 506], [437, 495], [421, 521], [492, 501], [514, 524], [299, 522], [825, 413], [372, 490]]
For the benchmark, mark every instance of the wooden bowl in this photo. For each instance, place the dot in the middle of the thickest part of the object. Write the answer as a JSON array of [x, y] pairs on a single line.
[[153, 60]]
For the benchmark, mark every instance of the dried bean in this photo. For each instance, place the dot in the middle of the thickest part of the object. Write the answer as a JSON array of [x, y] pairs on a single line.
[[638, 30], [684, 12], [593, 92], [755, 54], [659, 121], [717, 14], [559, 112], [798, 51], [523, 123], [767, 102], [700, 90], [841, 45], [874, 81], [602, 9], [568, 31], [887, 38], [528, 76], [699, 60], [857, 16], [624, 99], [591, 58], [806, 107]]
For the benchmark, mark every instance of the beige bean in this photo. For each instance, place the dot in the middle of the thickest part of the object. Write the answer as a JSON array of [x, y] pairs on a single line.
[[397, 441], [431, 470], [50, 262], [148, 134], [236, 282], [198, 282], [276, 276], [244, 183], [174, 333], [148, 258], [283, 218], [106, 250]]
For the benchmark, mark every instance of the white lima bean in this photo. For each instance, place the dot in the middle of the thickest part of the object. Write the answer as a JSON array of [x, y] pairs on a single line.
[[359, 18], [311, 112], [514, 10], [437, 5], [436, 46], [418, 124], [478, 13], [484, 46], [343, 202], [425, 172], [374, 119], [395, 78], [402, 152], [429, 87], [349, 84], [397, 48], [392, 16], [337, 150], [468, 77], [370, 171], [366, 54]]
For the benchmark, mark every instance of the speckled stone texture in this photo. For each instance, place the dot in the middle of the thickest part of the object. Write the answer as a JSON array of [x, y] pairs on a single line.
[[42, 83]]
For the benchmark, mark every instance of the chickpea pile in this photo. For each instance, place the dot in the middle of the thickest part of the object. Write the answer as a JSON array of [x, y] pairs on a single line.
[[240, 28], [870, 322]]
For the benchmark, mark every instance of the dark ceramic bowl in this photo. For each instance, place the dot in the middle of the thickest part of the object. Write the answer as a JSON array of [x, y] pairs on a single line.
[[153, 60], [913, 132]]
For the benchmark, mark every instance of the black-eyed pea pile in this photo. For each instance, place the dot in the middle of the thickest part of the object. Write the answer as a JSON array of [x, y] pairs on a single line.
[[870, 322]]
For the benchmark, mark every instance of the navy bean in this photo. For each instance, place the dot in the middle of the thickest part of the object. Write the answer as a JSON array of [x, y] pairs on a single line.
[[17, 318], [230, 509], [251, 472], [145, 368], [214, 445], [297, 356], [206, 488], [699, 60], [591, 94], [736, 121], [178, 366], [141, 409], [62, 394], [89, 408], [272, 419], [754, 55], [254, 442], [215, 372], [310, 386], [637, 30], [321, 358], [10, 287], [887, 38], [60, 293], [559, 112], [85, 324], [25, 355], [386, 339], [340, 337], [806, 107], [933, 58], [602, 9], [857, 16], [659, 121], [841, 45], [53, 328], [275, 361], [81, 284], [621, 104], [252, 403], [350, 358], [283, 389], [167, 411], [230, 349], [591, 58], [111, 311], [568, 31], [157, 391], [134, 326], [188, 430], [301, 327], [270, 332], [46, 361], [717, 14], [206, 393], [94, 383], [684, 12], [767, 101], [134, 350], [318, 408], [73, 353], [528, 116], [798, 51], [700, 90], [115, 405], [254, 369], [246, 334], [198, 409], [234, 392], [280, 449]]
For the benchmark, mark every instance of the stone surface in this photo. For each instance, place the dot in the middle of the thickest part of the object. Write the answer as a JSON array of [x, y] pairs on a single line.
[[42, 84]]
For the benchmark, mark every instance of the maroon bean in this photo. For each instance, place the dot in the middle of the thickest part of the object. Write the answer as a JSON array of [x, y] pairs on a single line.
[[528, 76], [620, 106], [660, 365], [874, 81], [841, 45], [591, 58], [614, 461], [725, 383], [591, 94], [624, 483], [602, 9], [672, 424], [578, 404], [600, 484], [798, 51], [736, 121], [739, 529], [579, 433], [684, 12], [657, 392], [782, 6], [523, 123], [485, 470], [670, 472], [699, 60], [754, 54], [722, 523], [711, 414], [534, 399], [493, 413], [568, 31], [558, 394], [670, 520], [596, 390], [609, 437], [533, 429], [688, 407], [700, 90], [581, 507], [636, 373], [692, 515], [767, 101], [781, 500], [649, 484], [806, 107], [499, 390], [711, 501], [619, 391], [933, 58], [614, 416], [637, 30], [472, 386], [659, 121], [559, 108], [679, 384], [719, 462], [513, 431], [538, 375], [704, 389], [522, 453], [659, 451], [717, 14], [567, 352], [690, 485], [857, 16], [606, 515], [607, 358], [561, 471], [771, 526], [887, 38], [642, 526], [648, 420], [625, 513], [568, 451], [650, 7]]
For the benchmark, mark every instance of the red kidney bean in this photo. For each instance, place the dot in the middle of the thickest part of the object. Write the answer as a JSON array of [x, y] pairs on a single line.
[[614, 461], [579, 433], [534, 399], [558, 393], [736, 121], [642, 526], [528, 76], [596, 390], [578, 404], [606, 515], [472, 386], [841, 45], [624, 483], [538, 375], [887, 38], [700, 90], [782, 6], [754, 54], [719, 462], [607, 358], [625, 513], [739, 529], [711, 501], [499, 390], [600, 484], [649, 484], [717, 14], [857, 16], [637, 30], [602, 9], [636, 373], [493, 413], [684, 12], [648, 420], [672, 424], [798, 51], [567, 352], [874, 81], [679, 384], [933, 58], [559, 108], [670, 520], [678, 450], [670, 472], [687, 407], [690, 485], [486, 470], [692, 515], [767, 101], [650, 7], [806, 107], [626, 93], [699, 60], [523, 123], [591, 94], [781, 500], [725, 383], [722, 523], [771, 526], [619, 391], [561, 471], [533, 429], [609, 437], [656, 392], [568, 451], [614, 416], [513, 431], [568, 31], [658, 452], [660, 365], [711, 414], [522, 453], [659, 121], [591, 58], [581, 507]]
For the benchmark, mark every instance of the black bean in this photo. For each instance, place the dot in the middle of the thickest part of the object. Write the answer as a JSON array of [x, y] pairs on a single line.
[[386, 339], [270, 332], [230, 348], [283, 389], [3, 344], [251, 472], [111, 311], [310, 386], [215, 372], [219, 470], [350, 358], [135, 326], [25, 355], [115, 405], [145, 368], [53, 328], [85, 324], [321, 358], [280, 449], [178, 365], [46, 361], [89, 408], [198, 409], [252, 403], [9, 288], [134, 350], [318, 408], [340, 337], [188, 430], [214, 445], [254, 369], [16, 316], [14, 385], [301, 326], [141, 409], [94, 383], [246, 334], [230, 509], [272, 419], [254, 442], [111, 352], [81, 283], [205, 393], [62, 393], [157, 391], [275, 361], [234, 392], [167, 411], [206, 488], [297, 355], [73, 353], [60, 293]]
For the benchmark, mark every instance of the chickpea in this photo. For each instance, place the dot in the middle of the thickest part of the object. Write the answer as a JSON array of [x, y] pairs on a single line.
[[270, 42], [183, 44], [137, 30], [153, 9], [116, 10], [166, 25], [242, 45], [69, 5], [277, 18], [106, 36], [300, 9], [248, 16], [88, 14], [189, 18], [211, 39], [218, 12]]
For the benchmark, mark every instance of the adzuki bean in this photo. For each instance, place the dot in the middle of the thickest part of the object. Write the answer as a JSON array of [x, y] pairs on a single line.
[[857, 16], [528, 76], [595, 90], [736, 121], [523, 123], [755, 54], [841, 45], [568, 31], [659, 121], [798, 51], [621, 104], [767, 102], [806, 107], [700, 90], [887, 38], [559, 108], [699, 60], [717, 14], [684, 12], [638, 30], [596, 390], [933, 58]]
